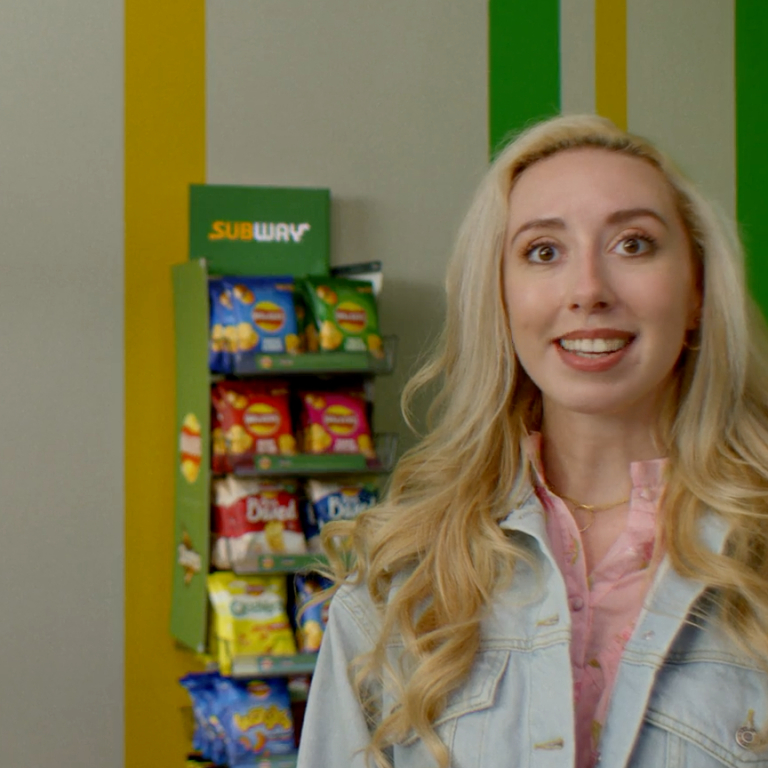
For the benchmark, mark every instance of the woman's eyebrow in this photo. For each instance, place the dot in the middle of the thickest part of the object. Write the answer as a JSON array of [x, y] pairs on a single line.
[[538, 224], [617, 217], [626, 214]]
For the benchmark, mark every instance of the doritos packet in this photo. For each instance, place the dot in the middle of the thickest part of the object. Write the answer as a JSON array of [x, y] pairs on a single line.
[[329, 501], [222, 340], [254, 418], [265, 317], [250, 616], [335, 422], [254, 517], [344, 313], [256, 717], [311, 619]]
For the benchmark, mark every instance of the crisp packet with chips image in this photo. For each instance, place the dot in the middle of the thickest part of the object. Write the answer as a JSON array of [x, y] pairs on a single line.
[[336, 422], [345, 314], [250, 616], [256, 717], [253, 517], [264, 317], [329, 501], [222, 327], [254, 418], [209, 737], [311, 617]]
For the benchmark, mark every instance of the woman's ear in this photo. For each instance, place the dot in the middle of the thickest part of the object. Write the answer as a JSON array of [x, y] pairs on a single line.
[[694, 313]]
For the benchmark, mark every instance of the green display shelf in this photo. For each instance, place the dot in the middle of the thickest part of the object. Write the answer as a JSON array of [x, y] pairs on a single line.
[[321, 362], [276, 761], [307, 465], [270, 564], [273, 666]]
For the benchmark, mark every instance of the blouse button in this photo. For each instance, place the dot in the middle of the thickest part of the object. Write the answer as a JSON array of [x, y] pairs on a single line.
[[576, 603]]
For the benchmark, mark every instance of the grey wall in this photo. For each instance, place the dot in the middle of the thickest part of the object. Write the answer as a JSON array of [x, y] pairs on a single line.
[[385, 104], [61, 381], [680, 87]]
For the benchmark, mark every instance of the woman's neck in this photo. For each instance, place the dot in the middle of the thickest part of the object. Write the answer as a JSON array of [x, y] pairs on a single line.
[[587, 456]]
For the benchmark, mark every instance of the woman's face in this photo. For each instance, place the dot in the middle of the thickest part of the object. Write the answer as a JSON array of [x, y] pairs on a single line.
[[598, 280]]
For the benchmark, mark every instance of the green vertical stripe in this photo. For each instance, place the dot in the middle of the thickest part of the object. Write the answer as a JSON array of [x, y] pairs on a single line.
[[524, 65], [751, 152]]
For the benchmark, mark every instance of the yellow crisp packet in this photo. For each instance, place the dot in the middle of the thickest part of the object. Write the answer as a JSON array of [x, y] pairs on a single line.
[[250, 617]]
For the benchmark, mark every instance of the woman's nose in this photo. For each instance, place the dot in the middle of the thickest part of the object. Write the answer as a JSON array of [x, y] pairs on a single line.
[[590, 286]]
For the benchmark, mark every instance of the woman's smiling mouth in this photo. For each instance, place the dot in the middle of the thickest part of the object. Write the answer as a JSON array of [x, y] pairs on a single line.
[[594, 350]]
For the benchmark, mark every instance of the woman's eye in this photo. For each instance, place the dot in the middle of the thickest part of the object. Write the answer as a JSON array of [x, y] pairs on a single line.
[[542, 254], [634, 245]]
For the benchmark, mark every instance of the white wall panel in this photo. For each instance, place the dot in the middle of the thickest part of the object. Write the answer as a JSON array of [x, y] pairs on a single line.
[[577, 56], [385, 104], [61, 384], [680, 87]]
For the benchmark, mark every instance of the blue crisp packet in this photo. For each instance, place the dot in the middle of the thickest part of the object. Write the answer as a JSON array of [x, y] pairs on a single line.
[[256, 717], [208, 737], [310, 619], [330, 501], [222, 327], [265, 318]]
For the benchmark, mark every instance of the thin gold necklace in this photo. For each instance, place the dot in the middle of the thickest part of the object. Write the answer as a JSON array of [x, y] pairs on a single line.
[[591, 508]]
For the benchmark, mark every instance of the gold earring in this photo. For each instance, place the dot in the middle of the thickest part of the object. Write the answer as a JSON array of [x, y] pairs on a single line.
[[691, 347]]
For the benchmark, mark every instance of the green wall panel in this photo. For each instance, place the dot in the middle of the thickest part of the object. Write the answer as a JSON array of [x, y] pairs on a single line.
[[524, 65], [751, 146]]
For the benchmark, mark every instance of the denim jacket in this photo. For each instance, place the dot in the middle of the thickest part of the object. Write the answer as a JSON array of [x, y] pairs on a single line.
[[683, 697]]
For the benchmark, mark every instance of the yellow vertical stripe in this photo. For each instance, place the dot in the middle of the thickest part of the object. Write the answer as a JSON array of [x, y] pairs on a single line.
[[164, 152], [611, 60]]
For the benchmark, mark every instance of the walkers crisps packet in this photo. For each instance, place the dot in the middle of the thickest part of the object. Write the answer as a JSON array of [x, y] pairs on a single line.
[[222, 342], [250, 616], [209, 736], [264, 315], [256, 717], [311, 619], [254, 418], [329, 501], [345, 314], [254, 517], [237, 721], [335, 422]]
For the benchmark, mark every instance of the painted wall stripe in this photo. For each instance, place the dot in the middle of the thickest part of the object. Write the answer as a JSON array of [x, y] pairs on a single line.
[[751, 155], [611, 60], [680, 77], [577, 56], [524, 65], [164, 152]]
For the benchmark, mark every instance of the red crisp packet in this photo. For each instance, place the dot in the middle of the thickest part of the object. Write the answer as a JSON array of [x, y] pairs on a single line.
[[254, 418], [255, 517], [219, 456], [336, 422]]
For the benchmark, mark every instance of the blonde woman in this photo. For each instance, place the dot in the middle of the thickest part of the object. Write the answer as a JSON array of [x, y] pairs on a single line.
[[572, 566]]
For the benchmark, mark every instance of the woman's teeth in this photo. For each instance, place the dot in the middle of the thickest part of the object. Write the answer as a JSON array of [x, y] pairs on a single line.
[[589, 347]]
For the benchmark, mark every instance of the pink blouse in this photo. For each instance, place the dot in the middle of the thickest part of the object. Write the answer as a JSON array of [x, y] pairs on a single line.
[[604, 604]]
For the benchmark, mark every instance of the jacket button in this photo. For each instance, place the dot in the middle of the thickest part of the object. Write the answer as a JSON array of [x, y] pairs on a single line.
[[576, 603], [745, 737]]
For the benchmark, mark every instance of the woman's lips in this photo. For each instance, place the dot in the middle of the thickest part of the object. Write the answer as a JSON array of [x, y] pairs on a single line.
[[594, 362]]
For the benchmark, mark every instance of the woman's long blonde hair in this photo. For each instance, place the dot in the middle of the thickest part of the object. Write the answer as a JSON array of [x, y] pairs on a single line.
[[437, 530]]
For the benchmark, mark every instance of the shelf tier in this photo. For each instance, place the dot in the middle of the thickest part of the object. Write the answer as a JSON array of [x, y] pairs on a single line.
[[271, 564], [276, 761], [321, 362], [306, 464], [273, 666]]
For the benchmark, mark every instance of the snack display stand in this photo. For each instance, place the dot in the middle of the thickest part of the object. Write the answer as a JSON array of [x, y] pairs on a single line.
[[190, 621]]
